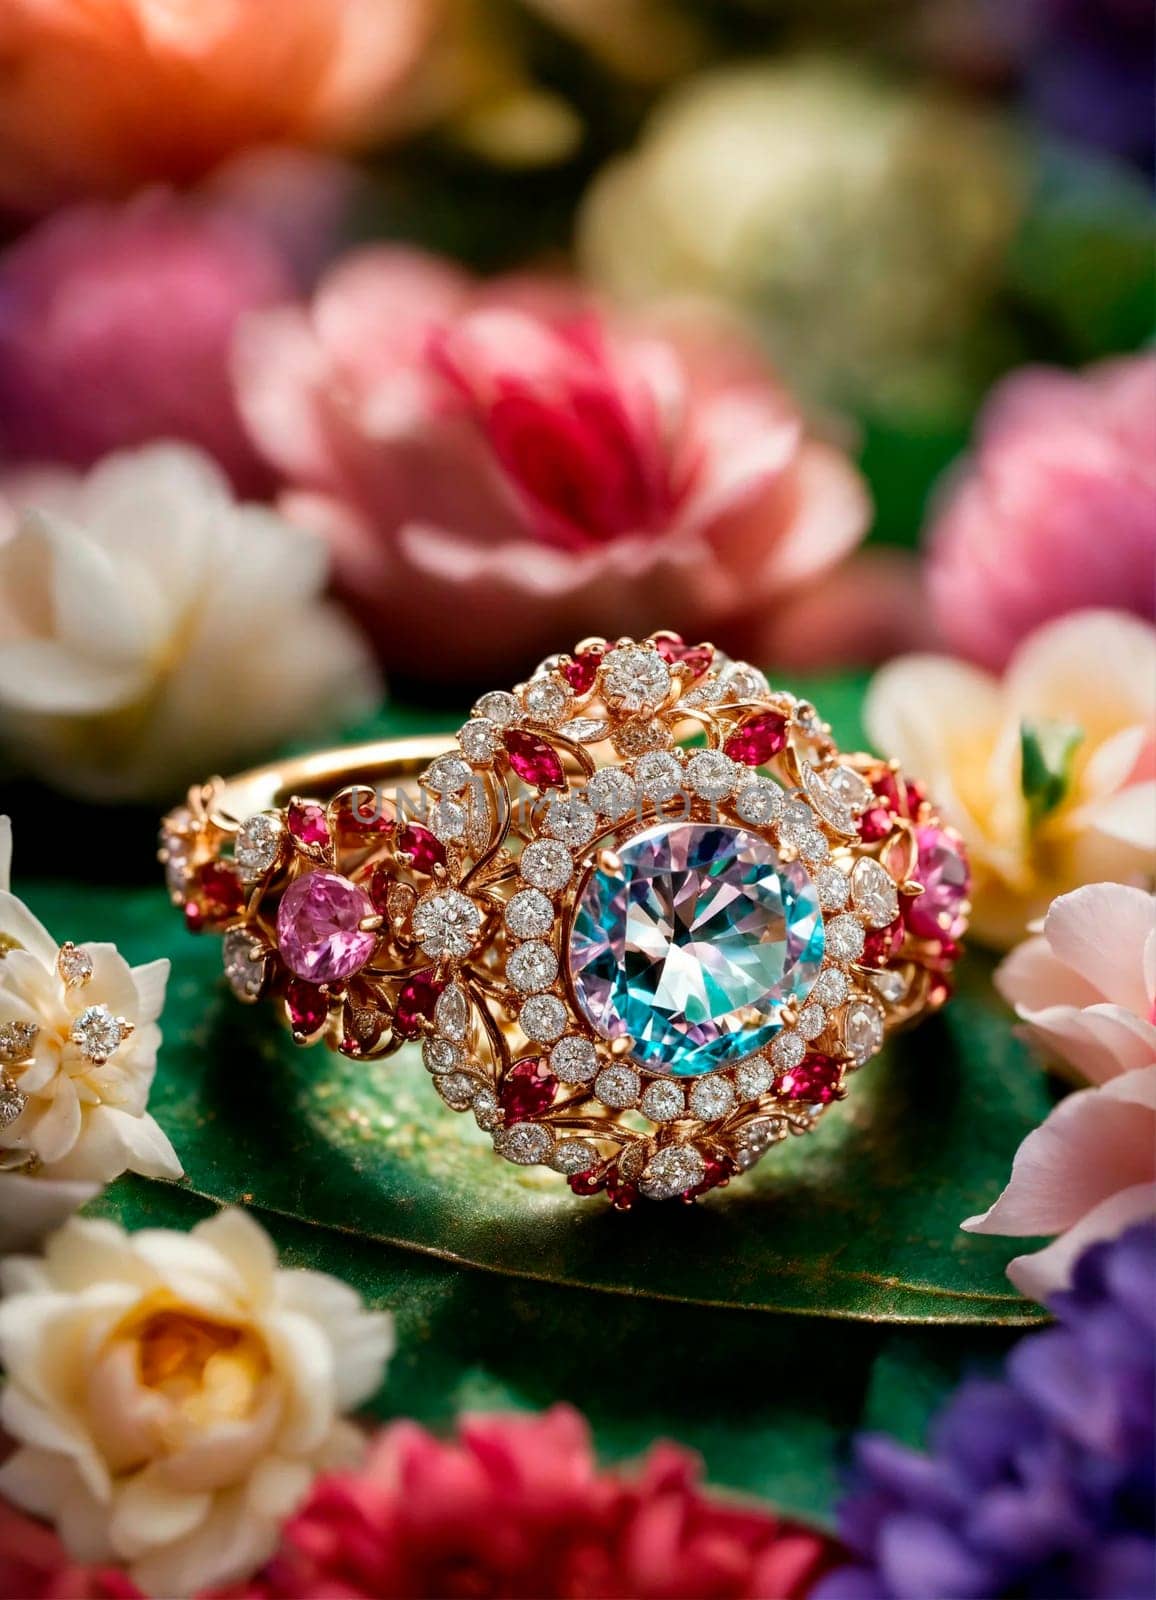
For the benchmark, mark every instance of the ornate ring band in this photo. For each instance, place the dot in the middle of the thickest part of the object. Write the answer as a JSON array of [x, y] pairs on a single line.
[[644, 918]]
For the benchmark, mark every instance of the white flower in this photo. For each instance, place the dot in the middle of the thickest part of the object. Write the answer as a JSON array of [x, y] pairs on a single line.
[[174, 1395], [77, 1061], [153, 631]]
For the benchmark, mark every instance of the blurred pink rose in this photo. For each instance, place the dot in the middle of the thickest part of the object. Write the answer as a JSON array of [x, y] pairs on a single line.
[[115, 328], [504, 468], [1055, 512], [516, 1506], [34, 1565]]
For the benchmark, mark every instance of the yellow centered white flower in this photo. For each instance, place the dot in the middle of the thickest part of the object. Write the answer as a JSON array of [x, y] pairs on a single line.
[[78, 1050], [1049, 774], [174, 1395], [152, 629]]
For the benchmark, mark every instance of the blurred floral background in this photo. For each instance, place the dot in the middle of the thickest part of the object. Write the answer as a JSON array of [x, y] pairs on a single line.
[[356, 354]]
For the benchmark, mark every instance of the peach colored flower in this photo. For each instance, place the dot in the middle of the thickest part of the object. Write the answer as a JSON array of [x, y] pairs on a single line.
[[514, 459], [1055, 511], [1085, 993], [101, 96], [1084, 685]]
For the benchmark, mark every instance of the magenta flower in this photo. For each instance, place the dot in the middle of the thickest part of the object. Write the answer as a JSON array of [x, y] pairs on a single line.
[[1054, 512], [514, 458], [115, 328]]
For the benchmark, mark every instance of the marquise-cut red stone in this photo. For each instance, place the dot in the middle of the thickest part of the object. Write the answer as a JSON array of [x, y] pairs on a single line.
[[221, 891], [308, 1007], [582, 671], [534, 761], [307, 823], [815, 1079], [528, 1090], [758, 739], [717, 1173], [875, 824], [881, 944], [696, 658], [427, 851], [415, 1003]]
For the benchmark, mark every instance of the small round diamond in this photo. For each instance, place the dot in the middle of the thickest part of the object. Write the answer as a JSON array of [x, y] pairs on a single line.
[[488, 1114], [529, 914], [890, 986], [574, 1059], [635, 679], [672, 1172], [754, 1077], [788, 1050], [98, 1033], [447, 821], [611, 792], [863, 1030], [830, 986], [711, 1098], [744, 682], [479, 740], [532, 966], [834, 886], [457, 1089], [813, 847], [246, 963], [546, 864], [812, 1021], [659, 775], [543, 1018], [711, 774], [663, 1101], [447, 775], [452, 1013], [548, 700], [845, 938], [570, 819], [574, 1155], [440, 1055], [759, 802], [499, 708], [525, 1144], [618, 1086], [447, 924], [258, 845]]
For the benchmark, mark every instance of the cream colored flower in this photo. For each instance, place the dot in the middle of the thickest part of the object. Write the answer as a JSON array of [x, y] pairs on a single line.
[[78, 1050], [173, 1395], [153, 631], [1049, 774]]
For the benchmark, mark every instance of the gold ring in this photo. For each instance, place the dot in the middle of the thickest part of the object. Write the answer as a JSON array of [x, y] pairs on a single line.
[[644, 918]]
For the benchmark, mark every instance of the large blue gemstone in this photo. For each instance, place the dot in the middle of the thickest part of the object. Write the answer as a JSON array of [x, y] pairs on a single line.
[[692, 943]]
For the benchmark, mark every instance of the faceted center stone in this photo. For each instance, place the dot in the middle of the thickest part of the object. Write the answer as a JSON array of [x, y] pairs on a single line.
[[692, 943]]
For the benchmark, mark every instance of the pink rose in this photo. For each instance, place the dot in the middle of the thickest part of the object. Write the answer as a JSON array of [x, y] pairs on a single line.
[[1085, 994], [504, 468], [516, 1506], [1055, 512], [115, 327]]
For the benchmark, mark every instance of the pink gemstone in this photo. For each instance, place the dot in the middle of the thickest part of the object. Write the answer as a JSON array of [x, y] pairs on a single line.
[[308, 1007], [528, 1089], [418, 842], [415, 1003], [941, 867], [582, 671], [881, 944], [696, 658], [307, 823], [534, 761], [758, 739], [815, 1079], [318, 927]]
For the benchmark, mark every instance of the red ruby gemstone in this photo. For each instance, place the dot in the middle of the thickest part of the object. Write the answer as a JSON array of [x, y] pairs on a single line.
[[758, 739], [588, 1182], [815, 1079], [881, 944], [222, 893], [416, 1003], [717, 1173], [528, 1089], [582, 671], [361, 814], [621, 1195], [875, 824], [307, 823], [696, 658], [418, 842], [308, 1007], [534, 761]]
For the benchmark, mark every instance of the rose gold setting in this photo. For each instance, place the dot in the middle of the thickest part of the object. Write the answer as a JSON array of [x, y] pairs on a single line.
[[472, 853]]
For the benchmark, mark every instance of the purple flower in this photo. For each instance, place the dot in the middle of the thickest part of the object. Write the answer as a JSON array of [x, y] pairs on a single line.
[[1039, 1483]]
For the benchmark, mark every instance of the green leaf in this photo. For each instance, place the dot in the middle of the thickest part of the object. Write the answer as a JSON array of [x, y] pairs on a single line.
[[1047, 753]]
